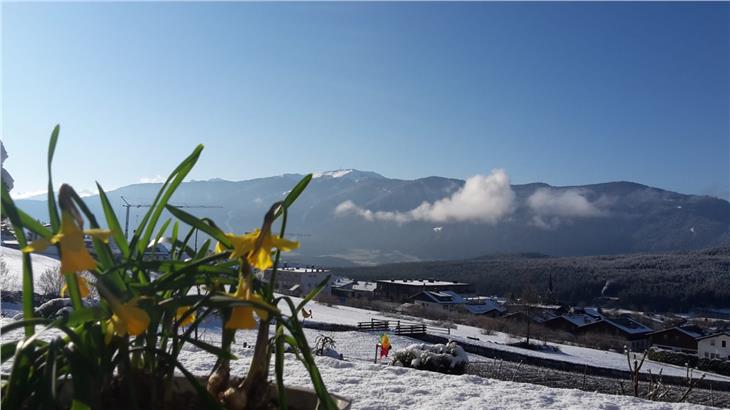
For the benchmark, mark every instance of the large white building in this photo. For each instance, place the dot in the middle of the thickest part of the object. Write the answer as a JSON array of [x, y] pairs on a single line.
[[299, 281], [715, 346]]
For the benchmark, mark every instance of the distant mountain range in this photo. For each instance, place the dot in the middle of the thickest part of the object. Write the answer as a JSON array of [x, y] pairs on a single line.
[[351, 217]]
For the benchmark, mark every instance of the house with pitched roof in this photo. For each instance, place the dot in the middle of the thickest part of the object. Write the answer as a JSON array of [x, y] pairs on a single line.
[[677, 339], [716, 346]]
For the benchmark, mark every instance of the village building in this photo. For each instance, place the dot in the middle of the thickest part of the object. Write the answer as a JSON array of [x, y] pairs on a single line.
[[574, 319], [631, 332], [537, 316], [570, 322], [484, 306], [681, 339], [437, 301], [449, 301], [299, 281], [345, 288], [399, 290], [715, 346]]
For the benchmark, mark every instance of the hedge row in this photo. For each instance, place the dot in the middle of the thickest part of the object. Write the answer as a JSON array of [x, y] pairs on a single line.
[[684, 359]]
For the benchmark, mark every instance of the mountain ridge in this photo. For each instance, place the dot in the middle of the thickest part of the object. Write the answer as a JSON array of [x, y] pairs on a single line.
[[353, 217]]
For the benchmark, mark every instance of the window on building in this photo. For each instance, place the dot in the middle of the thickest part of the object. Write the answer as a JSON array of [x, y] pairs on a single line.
[[724, 343], [707, 355]]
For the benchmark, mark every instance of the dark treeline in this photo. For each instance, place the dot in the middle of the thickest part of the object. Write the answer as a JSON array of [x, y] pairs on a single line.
[[650, 282]]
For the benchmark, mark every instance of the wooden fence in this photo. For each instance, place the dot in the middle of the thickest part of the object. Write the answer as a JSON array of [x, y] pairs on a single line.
[[401, 328], [374, 325]]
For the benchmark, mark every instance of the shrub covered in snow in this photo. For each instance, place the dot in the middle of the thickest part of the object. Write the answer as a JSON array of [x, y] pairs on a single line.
[[325, 346], [448, 358]]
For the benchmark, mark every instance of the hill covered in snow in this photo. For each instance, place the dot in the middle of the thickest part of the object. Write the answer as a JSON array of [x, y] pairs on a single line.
[[352, 217]]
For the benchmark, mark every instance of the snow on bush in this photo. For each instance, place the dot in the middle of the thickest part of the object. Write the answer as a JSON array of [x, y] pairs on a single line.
[[448, 358]]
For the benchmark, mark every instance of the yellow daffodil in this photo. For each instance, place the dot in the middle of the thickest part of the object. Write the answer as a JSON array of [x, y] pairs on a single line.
[[180, 312], [74, 255], [242, 244], [83, 286], [129, 319], [242, 316], [261, 255], [256, 247]]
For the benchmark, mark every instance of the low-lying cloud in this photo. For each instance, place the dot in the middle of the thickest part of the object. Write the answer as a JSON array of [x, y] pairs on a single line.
[[152, 180], [483, 198], [551, 206]]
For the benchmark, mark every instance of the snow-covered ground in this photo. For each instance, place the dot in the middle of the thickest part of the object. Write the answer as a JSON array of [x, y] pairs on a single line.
[[13, 259], [379, 386], [574, 354]]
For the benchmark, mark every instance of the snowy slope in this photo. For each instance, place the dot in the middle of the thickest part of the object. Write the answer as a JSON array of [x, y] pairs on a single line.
[[13, 259], [378, 386], [574, 354], [351, 316]]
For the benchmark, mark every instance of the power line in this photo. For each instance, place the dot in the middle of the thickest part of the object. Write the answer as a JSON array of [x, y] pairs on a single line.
[[127, 205]]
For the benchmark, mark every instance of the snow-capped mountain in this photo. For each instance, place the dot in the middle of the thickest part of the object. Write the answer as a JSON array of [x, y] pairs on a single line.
[[350, 217]]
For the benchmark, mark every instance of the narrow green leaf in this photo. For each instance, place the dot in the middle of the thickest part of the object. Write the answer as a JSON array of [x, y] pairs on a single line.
[[295, 192], [173, 239], [203, 250], [77, 405], [214, 350], [25, 322], [33, 225], [52, 209], [313, 293], [175, 179], [113, 222], [279, 367], [7, 350], [11, 212], [84, 315], [198, 223]]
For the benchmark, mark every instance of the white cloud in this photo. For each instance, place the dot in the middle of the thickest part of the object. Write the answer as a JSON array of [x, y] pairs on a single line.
[[28, 194], [40, 194], [153, 180], [552, 206], [483, 198]]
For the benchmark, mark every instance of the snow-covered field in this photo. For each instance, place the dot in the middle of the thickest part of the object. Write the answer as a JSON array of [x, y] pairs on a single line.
[[13, 259], [379, 386], [574, 354]]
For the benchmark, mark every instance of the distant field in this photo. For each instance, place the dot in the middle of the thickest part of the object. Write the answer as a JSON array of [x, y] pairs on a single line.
[[650, 282]]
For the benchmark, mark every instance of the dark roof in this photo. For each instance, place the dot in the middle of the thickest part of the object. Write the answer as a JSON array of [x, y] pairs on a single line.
[[725, 333], [691, 331], [444, 298], [627, 325]]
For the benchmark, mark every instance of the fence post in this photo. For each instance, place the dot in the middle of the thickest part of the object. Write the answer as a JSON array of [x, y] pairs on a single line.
[[376, 353]]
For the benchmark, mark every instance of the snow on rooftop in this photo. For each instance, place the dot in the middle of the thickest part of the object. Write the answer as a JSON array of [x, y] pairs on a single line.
[[299, 269], [364, 286], [579, 319], [416, 282], [629, 325]]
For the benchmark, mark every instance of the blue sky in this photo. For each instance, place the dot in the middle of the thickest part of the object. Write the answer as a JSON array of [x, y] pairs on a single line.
[[564, 93]]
